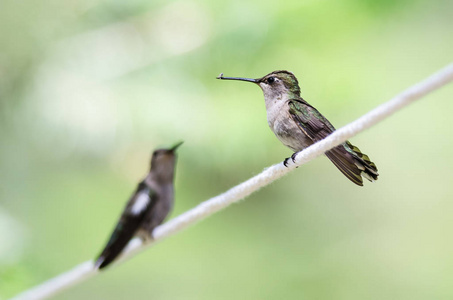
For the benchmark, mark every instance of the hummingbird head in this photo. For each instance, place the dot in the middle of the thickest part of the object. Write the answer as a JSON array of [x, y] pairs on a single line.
[[274, 85], [163, 163]]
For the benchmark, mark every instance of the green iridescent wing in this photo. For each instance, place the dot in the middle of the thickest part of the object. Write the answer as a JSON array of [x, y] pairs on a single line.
[[310, 120], [140, 204], [346, 157]]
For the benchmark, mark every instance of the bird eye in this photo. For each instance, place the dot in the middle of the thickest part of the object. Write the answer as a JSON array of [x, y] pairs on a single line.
[[271, 80]]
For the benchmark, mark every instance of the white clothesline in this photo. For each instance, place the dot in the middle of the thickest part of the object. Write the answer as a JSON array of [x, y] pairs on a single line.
[[85, 270]]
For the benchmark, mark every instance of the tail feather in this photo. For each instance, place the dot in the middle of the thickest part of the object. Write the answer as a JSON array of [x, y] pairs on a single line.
[[110, 254], [353, 163], [371, 168], [345, 163], [130, 221], [123, 233]]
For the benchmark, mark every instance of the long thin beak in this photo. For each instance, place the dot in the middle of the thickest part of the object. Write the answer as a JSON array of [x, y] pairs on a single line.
[[238, 78], [173, 149]]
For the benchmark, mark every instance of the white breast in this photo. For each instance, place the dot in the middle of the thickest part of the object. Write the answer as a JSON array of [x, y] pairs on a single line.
[[284, 127], [274, 109]]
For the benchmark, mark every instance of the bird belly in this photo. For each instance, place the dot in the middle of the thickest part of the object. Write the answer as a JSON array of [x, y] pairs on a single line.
[[290, 134], [157, 215]]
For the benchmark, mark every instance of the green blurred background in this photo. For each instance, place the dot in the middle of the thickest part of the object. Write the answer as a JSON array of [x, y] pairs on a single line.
[[89, 88]]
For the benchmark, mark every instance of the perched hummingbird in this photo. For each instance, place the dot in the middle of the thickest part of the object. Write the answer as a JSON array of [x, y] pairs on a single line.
[[147, 207], [297, 125]]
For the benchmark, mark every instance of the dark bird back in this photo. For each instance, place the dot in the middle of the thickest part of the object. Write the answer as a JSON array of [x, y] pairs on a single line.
[[146, 209], [128, 225]]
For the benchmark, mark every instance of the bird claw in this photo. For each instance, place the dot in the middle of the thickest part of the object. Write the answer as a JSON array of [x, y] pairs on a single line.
[[285, 162], [220, 76], [293, 158]]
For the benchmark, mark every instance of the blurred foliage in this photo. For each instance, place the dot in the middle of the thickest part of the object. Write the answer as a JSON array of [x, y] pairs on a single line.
[[89, 88]]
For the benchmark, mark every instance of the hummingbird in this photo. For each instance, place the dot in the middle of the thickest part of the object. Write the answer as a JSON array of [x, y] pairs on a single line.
[[297, 124], [146, 209]]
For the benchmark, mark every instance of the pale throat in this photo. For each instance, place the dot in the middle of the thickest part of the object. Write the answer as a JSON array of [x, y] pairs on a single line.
[[274, 106]]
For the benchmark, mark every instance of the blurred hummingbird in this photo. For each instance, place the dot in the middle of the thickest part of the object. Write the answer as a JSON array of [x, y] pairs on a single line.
[[298, 125], [147, 208]]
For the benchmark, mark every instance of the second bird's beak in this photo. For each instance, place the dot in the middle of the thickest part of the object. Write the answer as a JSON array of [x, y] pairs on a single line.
[[238, 78], [176, 146]]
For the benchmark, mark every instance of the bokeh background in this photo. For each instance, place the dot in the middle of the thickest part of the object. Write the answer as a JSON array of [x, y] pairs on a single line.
[[89, 88]]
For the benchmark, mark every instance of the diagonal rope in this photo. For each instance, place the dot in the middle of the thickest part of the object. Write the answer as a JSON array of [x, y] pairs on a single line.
[[85, 270]]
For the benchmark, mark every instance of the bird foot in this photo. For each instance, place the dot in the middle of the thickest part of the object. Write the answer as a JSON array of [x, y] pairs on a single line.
[[293, 158], [285, 162]]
